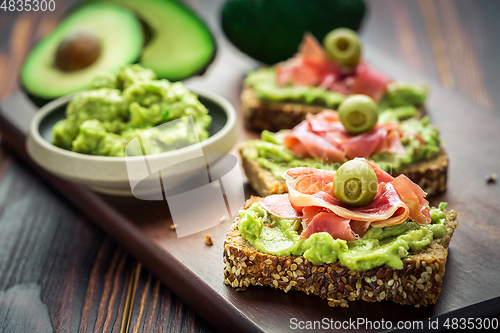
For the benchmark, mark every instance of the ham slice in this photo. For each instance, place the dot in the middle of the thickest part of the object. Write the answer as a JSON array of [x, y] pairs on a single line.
[[325, 121], [392, 144], [309, 67], [279, 205], [314, 181], [296, 73], [318, 219], [369, 81], [322, 136], [338, 227], [382, 176], [308, 144], [365, 145], [414, 197], [386, 208], [359, 228], [312, 67], [311, 198], [310, 180]]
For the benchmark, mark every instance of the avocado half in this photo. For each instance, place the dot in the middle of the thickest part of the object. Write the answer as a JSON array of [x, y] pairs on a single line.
[[120, 37], [271, 30], [181, 44]]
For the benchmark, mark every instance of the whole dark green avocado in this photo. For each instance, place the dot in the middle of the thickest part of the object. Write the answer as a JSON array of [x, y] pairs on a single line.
[[271, 30]]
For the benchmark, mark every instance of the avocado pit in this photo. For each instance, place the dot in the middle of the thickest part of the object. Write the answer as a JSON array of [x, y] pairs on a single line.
[[78, 50]]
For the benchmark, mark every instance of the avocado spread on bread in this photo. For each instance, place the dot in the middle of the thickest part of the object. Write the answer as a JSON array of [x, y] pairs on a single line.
[[421, 142], [379, 246], [401, 99]]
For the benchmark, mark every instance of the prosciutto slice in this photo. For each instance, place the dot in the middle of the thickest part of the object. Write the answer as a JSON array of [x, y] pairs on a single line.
[[280, 206], [369, 81], [317, 219], [311, 198], [414, 198], [324, 221], [308, 144], [386, 209], [311, 180], [366, 144], [322, 136], [382, 176], [309, 67], [312, 67]]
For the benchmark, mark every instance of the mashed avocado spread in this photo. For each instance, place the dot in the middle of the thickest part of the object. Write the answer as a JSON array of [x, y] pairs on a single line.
[[101, 121], [400, 101], [379, 246], [270, 153]]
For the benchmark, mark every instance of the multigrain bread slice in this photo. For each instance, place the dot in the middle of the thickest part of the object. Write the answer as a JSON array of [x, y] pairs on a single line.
[[259, 115], [431, 175], [418, 283], [273, 116]]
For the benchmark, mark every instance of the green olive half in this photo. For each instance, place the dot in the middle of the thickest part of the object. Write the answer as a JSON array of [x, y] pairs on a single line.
[[355, 183], [343, 46], [358, 114]]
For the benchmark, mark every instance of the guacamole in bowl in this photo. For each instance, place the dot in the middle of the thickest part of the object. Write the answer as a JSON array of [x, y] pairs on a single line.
[[122, 106], [83, 137]]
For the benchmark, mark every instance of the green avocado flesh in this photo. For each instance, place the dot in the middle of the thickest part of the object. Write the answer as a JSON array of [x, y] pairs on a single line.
[[121, 106], [120, 37], [400, 102], [379, 246], [181, 44], [271, 154]]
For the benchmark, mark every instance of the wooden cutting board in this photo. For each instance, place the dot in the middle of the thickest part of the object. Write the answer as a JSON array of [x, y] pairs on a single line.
[[194, 271]]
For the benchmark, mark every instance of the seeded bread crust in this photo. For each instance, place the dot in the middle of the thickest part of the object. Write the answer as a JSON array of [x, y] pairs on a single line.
[[260, 115], [431, 176], [418, 283]]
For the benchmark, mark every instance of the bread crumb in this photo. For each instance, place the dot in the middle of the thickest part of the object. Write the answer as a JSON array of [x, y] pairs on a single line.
[[208, 240], [491, 178], [173, 226]]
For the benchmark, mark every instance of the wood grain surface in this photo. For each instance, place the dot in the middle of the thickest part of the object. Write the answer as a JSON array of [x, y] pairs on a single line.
[[76, 279]]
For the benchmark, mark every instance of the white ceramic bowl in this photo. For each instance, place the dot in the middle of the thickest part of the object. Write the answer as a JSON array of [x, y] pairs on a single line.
[[109, 175]]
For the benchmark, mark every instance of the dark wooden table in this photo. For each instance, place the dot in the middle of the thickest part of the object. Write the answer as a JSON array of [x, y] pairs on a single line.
[[59, 272]]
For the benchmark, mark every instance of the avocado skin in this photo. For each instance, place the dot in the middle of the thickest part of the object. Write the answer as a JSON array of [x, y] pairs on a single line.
[[271, 30], [151, 32]]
